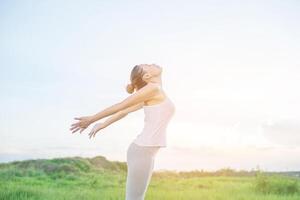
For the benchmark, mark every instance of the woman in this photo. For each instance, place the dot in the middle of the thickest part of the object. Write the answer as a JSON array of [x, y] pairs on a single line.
[[158, 109]]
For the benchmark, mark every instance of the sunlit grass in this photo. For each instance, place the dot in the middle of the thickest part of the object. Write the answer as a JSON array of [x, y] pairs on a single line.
[[97, 178]]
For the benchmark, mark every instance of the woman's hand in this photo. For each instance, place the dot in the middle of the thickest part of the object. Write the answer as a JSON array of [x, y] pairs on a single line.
[[96, 128], [82, 124]]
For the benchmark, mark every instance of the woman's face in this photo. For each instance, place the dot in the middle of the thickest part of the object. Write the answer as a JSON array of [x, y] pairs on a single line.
[[152, 69]]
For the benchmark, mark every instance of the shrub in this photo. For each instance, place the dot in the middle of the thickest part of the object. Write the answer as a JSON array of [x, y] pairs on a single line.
[[277, 184]]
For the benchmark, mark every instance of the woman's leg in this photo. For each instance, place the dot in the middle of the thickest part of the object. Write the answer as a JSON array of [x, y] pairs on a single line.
[[140, 164]]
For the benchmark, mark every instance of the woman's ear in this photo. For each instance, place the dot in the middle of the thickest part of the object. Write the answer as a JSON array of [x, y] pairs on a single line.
[[146, 76]]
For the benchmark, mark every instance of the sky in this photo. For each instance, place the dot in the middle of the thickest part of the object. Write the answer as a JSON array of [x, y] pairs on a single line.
[[232, 69]]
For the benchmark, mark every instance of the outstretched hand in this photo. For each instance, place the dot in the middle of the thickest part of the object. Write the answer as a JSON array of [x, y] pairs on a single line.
[[96, 128], [82, 124]]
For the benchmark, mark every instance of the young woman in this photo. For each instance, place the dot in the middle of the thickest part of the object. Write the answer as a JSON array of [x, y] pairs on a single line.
[[158, 110]]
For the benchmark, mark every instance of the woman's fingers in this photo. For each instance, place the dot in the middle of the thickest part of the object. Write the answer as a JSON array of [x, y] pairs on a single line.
[[91, 134], [75, 124], [82, 129], [75, 130], [73, 127], [79, 124]]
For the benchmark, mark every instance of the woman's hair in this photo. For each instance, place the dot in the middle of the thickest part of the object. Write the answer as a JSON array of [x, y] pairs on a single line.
[[136, 79]]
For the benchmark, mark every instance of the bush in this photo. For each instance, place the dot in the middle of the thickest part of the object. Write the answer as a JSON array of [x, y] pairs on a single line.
[[277, 184]]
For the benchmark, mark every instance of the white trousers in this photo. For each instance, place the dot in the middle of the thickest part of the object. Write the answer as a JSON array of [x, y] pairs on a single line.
[[140, 164]]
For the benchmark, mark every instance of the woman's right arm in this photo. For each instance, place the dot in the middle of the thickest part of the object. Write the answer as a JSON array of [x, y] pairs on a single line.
[[119, 115], [139, 97], [122, 113]]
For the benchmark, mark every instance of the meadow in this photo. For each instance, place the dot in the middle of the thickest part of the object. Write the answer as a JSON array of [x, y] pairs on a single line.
[[101, 179]]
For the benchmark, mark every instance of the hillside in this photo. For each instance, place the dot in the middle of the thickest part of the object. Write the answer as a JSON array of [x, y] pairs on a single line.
[[56, 166]]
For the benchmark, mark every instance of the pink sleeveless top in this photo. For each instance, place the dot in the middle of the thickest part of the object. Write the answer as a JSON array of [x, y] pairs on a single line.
[[156, 120]]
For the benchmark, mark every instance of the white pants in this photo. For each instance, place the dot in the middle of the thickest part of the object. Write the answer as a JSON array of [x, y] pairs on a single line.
[[140, 164]]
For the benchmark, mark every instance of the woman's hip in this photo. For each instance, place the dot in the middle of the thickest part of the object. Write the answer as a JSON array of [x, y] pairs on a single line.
[[137, 151]]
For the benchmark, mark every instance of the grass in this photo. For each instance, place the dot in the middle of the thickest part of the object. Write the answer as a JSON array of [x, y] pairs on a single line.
[[98, 178]]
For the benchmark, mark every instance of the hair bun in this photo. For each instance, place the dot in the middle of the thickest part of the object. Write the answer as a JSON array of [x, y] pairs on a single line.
[[130, 88]]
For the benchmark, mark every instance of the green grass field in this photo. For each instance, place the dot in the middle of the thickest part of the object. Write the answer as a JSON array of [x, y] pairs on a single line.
[[98, 178]]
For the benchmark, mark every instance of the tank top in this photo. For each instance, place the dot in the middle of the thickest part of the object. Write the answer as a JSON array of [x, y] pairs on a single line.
[[156, 120]]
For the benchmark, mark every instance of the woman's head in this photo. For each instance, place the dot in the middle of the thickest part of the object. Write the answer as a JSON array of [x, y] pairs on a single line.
[[141, 75]]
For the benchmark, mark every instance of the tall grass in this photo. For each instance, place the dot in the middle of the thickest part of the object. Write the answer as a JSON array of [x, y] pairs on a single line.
[[277, 184]]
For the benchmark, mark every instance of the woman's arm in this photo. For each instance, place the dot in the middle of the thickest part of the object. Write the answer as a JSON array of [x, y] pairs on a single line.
[[136, 98], [115, 117], [140, 96], [119, 115]]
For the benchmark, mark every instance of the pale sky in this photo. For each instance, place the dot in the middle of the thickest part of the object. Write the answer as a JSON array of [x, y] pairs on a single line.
[[232, 69]]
